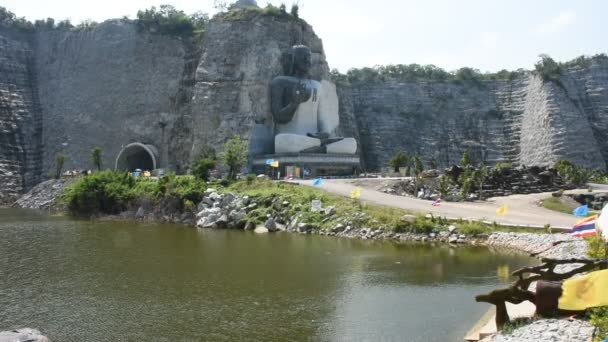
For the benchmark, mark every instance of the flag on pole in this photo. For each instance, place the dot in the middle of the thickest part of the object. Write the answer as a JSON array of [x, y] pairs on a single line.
[[584, 227], [355, 193], [317, 181], [582, 211], [502, 210], [436, 203], [275, 163]]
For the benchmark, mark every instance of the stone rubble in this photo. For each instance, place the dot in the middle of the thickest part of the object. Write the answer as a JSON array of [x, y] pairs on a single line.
[[555, 330]]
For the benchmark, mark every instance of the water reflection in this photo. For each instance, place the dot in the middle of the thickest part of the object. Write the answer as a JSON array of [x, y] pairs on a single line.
[[92, 281]]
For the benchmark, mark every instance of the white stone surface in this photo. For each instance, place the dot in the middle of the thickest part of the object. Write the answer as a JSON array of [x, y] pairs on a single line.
[[294, 143], [346, 146]]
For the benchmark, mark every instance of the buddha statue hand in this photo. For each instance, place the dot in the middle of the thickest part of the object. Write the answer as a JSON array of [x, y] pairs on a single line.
[[300, 93], [324, 137]]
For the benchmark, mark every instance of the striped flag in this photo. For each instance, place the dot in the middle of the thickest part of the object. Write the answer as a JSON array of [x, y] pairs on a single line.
[[436, 202], [585, 227]]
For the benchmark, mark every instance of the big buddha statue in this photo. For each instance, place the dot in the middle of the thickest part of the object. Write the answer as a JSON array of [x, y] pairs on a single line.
[[305, 111]]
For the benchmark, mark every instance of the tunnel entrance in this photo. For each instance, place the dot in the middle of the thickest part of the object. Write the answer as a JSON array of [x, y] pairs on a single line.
[[137, 156]]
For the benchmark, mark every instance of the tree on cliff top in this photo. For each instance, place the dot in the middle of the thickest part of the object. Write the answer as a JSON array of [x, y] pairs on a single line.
[[234, 155], [547, 68], [96, 157]]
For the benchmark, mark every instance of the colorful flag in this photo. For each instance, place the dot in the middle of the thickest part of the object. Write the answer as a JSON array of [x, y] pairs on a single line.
[[602, 223], [317, 181], [275, 163], [581, 211], [355, 193], [585, 227], [586, 291], [269, 161], [436, 202], [502, 210]]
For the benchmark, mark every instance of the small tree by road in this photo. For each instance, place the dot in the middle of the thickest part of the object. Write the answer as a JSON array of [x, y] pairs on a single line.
[[96, 157], [59, 161], [234, 155], [399, 160]]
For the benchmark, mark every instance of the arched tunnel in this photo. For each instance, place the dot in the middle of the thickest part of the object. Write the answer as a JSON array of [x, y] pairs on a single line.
[[137, 156]]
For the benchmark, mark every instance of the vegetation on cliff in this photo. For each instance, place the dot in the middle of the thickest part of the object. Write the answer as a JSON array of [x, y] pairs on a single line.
[[250, 12], [547, 68], [164, 20]]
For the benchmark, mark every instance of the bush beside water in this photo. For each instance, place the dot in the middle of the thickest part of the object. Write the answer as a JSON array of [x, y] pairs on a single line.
[[111, 192]]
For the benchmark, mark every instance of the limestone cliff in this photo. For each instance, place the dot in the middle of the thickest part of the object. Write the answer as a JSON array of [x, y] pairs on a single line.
[[20, 120], [527, 120]]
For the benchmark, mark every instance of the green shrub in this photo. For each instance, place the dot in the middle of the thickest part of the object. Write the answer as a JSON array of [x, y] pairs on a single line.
[[202, 167], [400, 159], [104, 192], [599, 318], [111, 192], [473, 228]]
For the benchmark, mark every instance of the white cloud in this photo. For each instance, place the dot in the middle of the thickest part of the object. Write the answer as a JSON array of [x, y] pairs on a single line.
[[557, 23]]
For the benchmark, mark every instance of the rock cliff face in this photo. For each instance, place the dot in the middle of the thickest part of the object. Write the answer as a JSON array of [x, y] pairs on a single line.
[[106, 87], [113, 85], [20, 120], [527, 120]]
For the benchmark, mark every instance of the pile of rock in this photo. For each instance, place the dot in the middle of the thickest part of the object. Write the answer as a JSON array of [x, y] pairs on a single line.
[[44, 195], [498, 182], [521, 180], [595, 200], [223, 210], [556, 330]]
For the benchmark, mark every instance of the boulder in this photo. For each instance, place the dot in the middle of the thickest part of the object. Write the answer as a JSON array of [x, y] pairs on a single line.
[[304, 227], [338, 228], [271, 225], [260, 230], [249, 225], [23, 335]]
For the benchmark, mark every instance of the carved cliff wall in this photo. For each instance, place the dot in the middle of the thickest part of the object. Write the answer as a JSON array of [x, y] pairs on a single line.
[[106, 87], [20, 120], [527, 120]]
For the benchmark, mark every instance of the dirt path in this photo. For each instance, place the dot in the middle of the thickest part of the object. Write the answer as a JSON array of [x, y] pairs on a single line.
[[522, 209]]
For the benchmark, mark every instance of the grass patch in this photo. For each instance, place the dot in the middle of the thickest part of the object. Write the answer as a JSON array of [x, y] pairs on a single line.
[[557, 204]]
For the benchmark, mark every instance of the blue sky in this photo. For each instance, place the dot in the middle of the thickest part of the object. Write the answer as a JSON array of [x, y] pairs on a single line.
[[486, 34]]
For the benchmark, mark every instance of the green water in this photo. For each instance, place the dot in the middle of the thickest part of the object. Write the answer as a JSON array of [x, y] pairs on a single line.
[[108, 281]]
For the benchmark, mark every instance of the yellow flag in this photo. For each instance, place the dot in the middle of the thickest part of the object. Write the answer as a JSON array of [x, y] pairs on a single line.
[[355, 193], [586, 291], [502, 210], [275, 163]]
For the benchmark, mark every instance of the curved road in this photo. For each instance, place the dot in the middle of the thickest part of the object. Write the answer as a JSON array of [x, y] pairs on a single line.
[[522, 209]]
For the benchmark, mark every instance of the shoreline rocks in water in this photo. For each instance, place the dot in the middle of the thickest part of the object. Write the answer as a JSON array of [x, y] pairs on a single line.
[[23, 335]]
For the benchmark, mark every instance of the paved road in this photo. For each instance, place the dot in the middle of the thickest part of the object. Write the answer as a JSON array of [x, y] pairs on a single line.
[[522, 209]]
